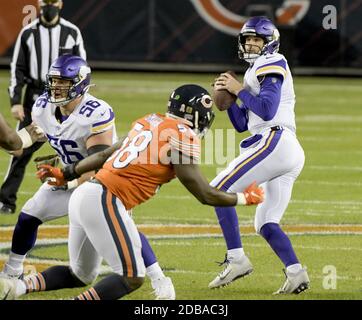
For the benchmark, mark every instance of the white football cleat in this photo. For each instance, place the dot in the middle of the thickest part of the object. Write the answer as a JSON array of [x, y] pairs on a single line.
[[11, 273], [4, 275], [295, 282], [163, 289], [234, 269], [8, 289]]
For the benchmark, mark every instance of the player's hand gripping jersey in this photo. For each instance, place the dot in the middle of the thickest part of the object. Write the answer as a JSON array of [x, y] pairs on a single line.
[[144, 162]]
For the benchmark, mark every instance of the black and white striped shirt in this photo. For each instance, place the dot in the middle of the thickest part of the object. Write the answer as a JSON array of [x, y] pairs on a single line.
[[36, 48]]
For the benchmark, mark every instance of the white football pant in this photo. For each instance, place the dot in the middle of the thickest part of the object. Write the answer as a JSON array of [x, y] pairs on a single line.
[[274, 162], [48, 203], [100, 227]]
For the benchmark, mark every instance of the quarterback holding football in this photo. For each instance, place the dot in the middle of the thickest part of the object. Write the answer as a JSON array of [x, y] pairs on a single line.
[[271, 156]]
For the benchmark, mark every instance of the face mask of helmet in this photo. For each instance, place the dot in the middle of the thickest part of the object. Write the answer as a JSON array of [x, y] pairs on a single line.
[[60, 90], [49, 12], [248, 52], [203, 121]]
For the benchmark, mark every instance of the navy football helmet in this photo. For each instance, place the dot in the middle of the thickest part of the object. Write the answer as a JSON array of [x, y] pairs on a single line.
[[194, 104], [77, 74], [259, 27]]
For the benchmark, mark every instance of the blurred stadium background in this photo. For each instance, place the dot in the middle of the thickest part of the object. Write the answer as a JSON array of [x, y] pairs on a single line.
[[139, 51], [200, 35]]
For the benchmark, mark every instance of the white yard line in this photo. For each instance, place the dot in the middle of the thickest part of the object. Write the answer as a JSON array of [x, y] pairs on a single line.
[[198, 226], [313, 128], [338, 168], [253, 245], [7, 245], [330, 118], [322, 139], [329, 202], [325, 202], [172, 219], [42, 227], [330, 183]]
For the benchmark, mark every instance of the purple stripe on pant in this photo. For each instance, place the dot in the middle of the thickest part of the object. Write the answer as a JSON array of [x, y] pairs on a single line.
[[226, 184]]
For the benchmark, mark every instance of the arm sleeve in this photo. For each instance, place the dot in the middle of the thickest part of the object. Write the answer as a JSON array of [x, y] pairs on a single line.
[[238, 117], [265, 105], [18, 71]]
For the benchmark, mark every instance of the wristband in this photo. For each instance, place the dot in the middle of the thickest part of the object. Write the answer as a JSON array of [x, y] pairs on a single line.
[[25, 138], [72, 184], [241, 199]]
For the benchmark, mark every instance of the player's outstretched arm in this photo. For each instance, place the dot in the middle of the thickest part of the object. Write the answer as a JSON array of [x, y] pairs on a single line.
[[12, 140], [96, 161], [9, 140], [75, 170], [194, 181]]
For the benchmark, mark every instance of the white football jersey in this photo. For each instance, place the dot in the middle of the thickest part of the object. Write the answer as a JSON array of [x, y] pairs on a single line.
[[271, 64], [68, 139]]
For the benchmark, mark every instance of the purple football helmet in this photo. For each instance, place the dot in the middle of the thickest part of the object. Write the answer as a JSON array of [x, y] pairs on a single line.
[[259, 27], [76, 73]]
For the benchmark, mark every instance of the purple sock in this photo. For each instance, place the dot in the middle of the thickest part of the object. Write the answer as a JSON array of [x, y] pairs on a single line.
[[148, 255], [25, 233], [229, 223], [279, 242]]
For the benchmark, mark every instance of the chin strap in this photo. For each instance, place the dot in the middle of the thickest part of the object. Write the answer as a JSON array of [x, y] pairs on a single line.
[[86, 88]]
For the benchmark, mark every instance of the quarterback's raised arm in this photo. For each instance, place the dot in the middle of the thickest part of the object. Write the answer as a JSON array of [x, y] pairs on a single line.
[[194, 181]]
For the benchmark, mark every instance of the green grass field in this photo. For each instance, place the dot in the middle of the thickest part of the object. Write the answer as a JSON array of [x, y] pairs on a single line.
[[327, 195]]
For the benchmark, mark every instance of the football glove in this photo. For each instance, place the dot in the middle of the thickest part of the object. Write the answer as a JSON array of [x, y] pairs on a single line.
[[252, 194], [58, 177], [53, 175], [51, 160]]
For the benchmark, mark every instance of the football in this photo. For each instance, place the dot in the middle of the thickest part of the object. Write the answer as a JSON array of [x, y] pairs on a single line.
[[223, 99]]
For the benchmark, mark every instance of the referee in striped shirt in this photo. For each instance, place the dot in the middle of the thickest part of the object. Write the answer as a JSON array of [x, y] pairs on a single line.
[[37, 46]]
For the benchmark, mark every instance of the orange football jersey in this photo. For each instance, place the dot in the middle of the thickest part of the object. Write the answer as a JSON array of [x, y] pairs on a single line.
[[143, 163]]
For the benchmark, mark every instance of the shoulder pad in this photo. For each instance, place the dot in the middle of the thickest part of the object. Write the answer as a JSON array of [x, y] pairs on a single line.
[[272, 63]]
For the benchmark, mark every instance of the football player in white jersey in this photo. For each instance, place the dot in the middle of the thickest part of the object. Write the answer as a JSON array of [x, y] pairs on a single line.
[[76, 124], [271, 156]]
